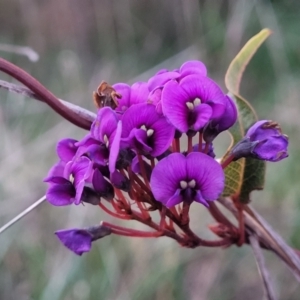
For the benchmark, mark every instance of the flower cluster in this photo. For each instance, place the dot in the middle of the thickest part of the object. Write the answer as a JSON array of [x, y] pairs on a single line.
[[134, 155]]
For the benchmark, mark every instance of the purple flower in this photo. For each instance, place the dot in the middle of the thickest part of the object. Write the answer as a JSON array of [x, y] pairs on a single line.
[[192, 103], [227, 120], [137, 93], [80, 240], [67, 181], [264, 140], [157, 82], [94, 149], [146, 131], [195, 177]]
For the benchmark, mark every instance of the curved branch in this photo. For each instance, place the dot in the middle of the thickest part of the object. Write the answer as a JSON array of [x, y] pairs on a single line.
[[43, 94], [18, 89]]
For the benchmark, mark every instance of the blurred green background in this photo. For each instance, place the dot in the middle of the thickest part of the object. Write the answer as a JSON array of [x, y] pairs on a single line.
[[81, 43]]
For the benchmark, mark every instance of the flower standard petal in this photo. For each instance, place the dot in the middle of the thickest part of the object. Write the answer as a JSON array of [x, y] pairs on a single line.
[[160, 79], [137, 116], [174, 107], [204, 88], [104, 125], [163, 134], [124, 90], [66, 149], [139, 93], [193, 67], [166, 177], [207, 173]]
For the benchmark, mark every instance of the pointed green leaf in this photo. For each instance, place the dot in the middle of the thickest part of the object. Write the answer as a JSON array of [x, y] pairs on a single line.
[[237, 67], [244, 175]]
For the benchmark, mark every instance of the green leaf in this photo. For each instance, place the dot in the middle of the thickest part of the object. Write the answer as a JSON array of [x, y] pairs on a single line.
[[245, 175], [237, 67]]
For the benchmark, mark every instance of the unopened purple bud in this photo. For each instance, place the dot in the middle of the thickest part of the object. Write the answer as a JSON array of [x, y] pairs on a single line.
[[80, 240], [90, 196], [120, 181], [264, 140]]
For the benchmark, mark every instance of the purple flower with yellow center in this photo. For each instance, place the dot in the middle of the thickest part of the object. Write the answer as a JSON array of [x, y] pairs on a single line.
[[67, 181], [145, 131], [192, 103], [80, 240], [157, 82], [264, 140], [195, 177], [131, 95]]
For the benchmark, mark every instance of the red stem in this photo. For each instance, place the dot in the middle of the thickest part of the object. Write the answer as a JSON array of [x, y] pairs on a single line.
[[43, 94], [190, 144], [200, 141], [113, 214], [143, 170], [228, 160], [177, 143]]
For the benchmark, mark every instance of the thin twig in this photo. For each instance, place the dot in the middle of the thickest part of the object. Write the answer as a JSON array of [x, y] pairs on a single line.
[[81, 112], [43, 94], [267, 236], [260, 261], [22, 214]]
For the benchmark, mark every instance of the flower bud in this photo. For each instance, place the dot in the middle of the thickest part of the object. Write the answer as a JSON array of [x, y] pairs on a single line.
[[264, 140], [80, 240]]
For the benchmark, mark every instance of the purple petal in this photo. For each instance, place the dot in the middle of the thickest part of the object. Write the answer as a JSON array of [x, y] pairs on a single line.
[[193, 67], [174, 107], [160, 79], [206, 90], [203, 114], [262, 130], [77, 240], [115, 148], [163, 136], [56, 170], [104, 125], [175, 199], [166, 176], [199, 198], [139, 93], [120, 181], [60, 193], [207, 173], [138, 115], [273, 149], [230, 115], [102, 186], [66, 149], [124, 90], [82, 171]]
